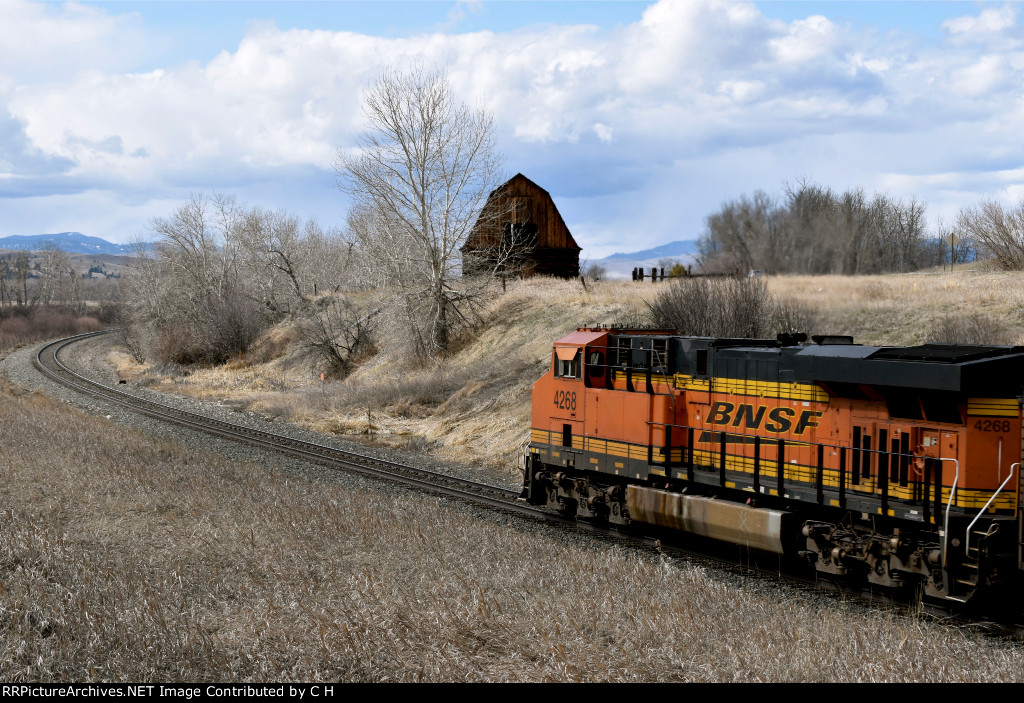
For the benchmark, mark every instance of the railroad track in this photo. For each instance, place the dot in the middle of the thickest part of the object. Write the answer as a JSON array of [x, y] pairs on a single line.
[[48, 361]]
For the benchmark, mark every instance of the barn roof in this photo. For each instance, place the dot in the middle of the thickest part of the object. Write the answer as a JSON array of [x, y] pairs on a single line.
[[571, 241]]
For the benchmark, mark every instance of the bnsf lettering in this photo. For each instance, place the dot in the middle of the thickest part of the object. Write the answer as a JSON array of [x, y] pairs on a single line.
[[746, 415], [780, 420], [720, 413], [808, 418]]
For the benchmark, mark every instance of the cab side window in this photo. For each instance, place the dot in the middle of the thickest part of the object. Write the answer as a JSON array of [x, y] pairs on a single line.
[[567, 366]]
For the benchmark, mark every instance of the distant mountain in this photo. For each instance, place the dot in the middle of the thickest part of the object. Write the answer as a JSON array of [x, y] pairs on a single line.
[[70, 242], [621, 265], [665, 251]]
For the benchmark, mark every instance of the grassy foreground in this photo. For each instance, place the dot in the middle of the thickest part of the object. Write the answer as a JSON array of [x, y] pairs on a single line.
[[126, 558]]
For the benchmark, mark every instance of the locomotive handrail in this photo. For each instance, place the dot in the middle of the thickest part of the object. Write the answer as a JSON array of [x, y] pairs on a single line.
[[967, 543], [522, 450], [781, 442], [949, 504], [770, 439]]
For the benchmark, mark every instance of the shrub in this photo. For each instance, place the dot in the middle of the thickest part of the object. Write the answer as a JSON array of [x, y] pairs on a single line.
[[714, 307], [178, 345], [727, 307], [973, 328], [336, 333], [25, 324], [233, 322]]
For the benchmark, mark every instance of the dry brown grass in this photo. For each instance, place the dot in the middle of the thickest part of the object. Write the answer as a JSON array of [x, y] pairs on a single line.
[[125, 558], [907, 308], [475, 407]]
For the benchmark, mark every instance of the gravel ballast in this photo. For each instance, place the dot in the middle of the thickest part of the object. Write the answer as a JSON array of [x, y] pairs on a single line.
[[90, 359]]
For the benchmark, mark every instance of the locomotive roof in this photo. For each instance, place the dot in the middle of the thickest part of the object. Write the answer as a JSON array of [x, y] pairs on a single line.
[[978, 369], [582, 336], [974, 368]]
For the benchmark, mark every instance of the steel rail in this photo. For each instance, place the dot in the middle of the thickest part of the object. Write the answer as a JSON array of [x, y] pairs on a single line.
[[363, 464]]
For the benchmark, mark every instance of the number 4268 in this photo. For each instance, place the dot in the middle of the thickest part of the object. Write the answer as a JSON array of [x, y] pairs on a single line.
[[992, 425], [565, 400]]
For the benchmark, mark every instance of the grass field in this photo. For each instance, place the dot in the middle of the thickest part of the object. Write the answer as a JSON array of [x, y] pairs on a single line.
[[474, 407], [128, 558]]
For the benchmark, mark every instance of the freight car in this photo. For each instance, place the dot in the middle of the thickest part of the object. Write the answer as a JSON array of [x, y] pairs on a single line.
[[896, 467]]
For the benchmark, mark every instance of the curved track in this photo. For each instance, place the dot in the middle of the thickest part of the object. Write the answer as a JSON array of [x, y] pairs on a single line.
[[49, 362]]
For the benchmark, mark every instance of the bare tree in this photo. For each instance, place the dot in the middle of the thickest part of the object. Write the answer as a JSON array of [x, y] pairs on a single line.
[[5, 271], [336, 332], [55, 265], [997, 231], [419, 178], [594, 271], [817, 230], [219, 274], [960, 247], [187, 291], [22, 269]]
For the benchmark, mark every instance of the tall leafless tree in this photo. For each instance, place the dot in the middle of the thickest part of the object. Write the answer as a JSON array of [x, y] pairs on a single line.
[[418, 179], [22, 268]]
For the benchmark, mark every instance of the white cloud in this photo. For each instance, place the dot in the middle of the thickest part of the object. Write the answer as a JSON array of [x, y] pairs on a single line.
[[984, 76], [989, 21], [42, 41], [805, 40], [741, 91], [695, 103]]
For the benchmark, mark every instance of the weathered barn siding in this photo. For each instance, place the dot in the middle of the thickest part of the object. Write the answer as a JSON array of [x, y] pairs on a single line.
[[522, 204]]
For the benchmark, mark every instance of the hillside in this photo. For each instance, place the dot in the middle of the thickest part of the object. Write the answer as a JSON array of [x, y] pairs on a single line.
[[70, 242], [475, 407]]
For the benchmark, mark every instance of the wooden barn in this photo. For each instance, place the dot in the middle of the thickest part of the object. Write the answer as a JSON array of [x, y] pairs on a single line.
[[520, 232]]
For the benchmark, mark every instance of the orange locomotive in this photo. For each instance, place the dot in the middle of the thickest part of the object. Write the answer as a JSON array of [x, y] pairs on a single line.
[[894, 465]]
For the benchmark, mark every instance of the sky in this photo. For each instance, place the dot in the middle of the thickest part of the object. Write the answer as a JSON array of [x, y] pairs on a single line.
[[640, 118]]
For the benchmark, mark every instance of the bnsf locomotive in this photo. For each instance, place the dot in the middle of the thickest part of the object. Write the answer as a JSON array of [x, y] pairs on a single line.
[[896, 466]]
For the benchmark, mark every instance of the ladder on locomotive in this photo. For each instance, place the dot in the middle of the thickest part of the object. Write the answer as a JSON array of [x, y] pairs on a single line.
[[973, 552]]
